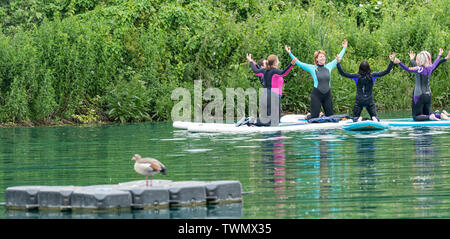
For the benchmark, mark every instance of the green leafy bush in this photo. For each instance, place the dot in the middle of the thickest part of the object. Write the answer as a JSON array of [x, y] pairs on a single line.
[[118, 60]]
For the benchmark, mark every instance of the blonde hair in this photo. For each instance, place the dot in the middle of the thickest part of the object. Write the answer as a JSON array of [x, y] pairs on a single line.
[[271, 62], [423, 59], [316, 54]]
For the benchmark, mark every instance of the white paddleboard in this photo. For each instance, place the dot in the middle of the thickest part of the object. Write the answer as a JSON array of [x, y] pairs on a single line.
[[296, 119], [215, 128]]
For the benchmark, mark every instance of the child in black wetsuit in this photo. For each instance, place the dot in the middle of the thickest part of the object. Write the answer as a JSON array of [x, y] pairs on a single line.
[[364, 81]]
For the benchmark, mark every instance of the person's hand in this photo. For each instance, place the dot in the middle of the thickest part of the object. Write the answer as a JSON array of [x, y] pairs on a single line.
[[294, 61], [441, 51], [448, 55], [411, 55], [287, 48], [396, 61], [345, 43], [338, 59], [392, 56], [249, 58]]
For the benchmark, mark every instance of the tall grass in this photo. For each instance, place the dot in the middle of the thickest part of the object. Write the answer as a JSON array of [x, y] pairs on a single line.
[[94, 60]]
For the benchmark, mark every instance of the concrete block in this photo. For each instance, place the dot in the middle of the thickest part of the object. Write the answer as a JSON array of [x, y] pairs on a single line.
[[22, 197], [100, 198], [223, 191], [58, 197], [187, 193], [144, 197], [101, 214], [141, 183]]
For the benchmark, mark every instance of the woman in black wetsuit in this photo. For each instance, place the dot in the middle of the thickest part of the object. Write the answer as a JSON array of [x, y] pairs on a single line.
[[273, 83], [421, 100], [321, 74], [422, 111], [364, 81]]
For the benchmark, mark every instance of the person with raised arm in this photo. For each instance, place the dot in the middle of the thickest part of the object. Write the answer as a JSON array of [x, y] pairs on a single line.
[[421, 100], [273, 89], [364, 80], [321, 74]]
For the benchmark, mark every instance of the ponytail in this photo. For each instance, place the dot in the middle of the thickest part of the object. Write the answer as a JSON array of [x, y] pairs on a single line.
[[271, 62]]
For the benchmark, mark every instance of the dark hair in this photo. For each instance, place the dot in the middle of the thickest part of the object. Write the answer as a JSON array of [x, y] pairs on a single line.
[[364, 68], [261, 62]]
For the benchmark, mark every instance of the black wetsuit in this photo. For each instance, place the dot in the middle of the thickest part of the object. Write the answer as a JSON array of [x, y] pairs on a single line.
[[321, 93], [267, 118], [421, 100], [364, 90]]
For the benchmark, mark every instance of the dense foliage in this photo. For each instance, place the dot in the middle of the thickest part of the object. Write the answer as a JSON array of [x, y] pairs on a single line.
[[119, 60]]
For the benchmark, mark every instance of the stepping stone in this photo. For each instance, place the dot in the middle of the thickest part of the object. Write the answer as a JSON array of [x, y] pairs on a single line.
[[187, 193], [22, 197], [57, 197], [100, 198], [223, 192]]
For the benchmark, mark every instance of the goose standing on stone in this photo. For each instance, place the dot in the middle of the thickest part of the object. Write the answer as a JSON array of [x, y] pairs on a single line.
[[148, 167]]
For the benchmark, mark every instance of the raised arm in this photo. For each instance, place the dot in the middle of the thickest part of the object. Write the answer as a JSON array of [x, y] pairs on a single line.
[[411, 57], [409, 69], [440, 62], [253, 67], [436, 62], [385, 72], [286, 71], [307, 67], [389, 68], [345, 74], [333, 64]]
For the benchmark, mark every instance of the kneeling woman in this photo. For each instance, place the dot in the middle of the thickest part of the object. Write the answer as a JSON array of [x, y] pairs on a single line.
[[364, 80], [273, 85], [421, 101], [321, 73]]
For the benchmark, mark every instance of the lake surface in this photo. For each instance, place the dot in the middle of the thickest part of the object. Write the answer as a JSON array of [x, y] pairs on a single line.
[[396, 173]]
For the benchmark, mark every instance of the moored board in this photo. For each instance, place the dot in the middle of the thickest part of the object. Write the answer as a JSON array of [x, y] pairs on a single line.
[[366, 126], [285, 120], [211, 128], [409, 122]]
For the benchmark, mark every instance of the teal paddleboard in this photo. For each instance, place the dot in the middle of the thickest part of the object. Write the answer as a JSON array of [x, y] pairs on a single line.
[[365, 126], [409, 122]]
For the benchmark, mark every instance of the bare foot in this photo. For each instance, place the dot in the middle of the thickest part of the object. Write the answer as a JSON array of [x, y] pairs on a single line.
[[444, 116], [445, 112], [359, 119], [375, 119], [433, 117]]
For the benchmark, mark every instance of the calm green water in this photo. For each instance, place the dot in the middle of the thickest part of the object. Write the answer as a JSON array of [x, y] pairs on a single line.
[[398, 173]]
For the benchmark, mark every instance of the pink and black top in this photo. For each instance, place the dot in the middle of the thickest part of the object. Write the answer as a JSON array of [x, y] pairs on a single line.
[[273, 78]]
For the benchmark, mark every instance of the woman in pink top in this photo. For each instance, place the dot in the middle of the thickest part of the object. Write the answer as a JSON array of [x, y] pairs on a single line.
[[273, 83]]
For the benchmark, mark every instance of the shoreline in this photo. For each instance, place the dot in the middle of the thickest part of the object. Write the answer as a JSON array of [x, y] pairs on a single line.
[[65, 122]]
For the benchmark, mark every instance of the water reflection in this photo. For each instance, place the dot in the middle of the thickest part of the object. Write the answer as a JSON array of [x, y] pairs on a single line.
[[365, 151], [274, 156], [317, 178], [365, 158], [424, 155], [424, 169], [233, 210], [400, 173]]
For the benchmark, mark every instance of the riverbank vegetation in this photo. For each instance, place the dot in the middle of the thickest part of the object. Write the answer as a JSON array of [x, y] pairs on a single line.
[[88, 61]]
